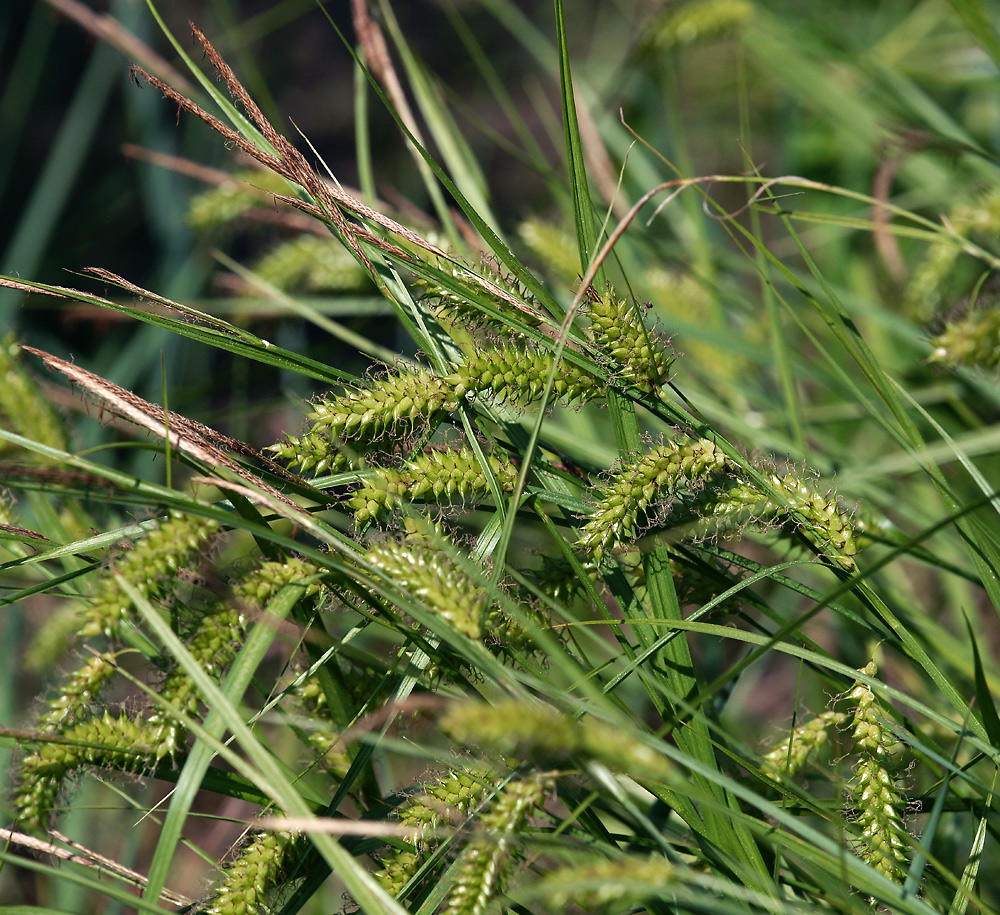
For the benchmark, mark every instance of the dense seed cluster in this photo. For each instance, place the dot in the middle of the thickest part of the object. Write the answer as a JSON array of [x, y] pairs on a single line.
[[639, 359], [789, 756], [76, 694], [925, 291], [398, 398], [974, 341], [486, 861], [444, 803], [816, 515], [641, 486], [264, 582], [212, 643], [228, 202], [22, 405], [432, 577], [437, 476], [109, 741], [321, 732], [598, 886], [399, 401], [314, 263], [878, 800], [549, 737], [716, 497], [253, 877], [518, 376], [149, 566], [699, 21]]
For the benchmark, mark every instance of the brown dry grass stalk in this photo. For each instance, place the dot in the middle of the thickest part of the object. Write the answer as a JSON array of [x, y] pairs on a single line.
[[186, 435]]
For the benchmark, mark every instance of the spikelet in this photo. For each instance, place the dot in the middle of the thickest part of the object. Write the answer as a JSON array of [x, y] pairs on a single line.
[[486, 862], [50, 642], [878, 800], [637, 357], [22, 404], [974, 341], [401, 397], [113, 742], [446, 802], [549, 737], [76, 694], [623, 884], [643, 485], [149, 566], [259, 586], [557, 579], [816, 515], [437, 476], [257, 873], [501, 631], [518, 376], [317, 451], [312, 263], [699, 21], [436, 580], [789, 756]]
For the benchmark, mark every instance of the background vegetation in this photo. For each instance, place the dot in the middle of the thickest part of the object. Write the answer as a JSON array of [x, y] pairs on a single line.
[[556, 576]]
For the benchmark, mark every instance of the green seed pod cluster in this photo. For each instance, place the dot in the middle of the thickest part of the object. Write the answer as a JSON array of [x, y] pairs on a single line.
[[312, 263], [444, 803], [149, 566], [316, 451], [877, 798], [698, 21], [400, 400], [402, 397], [816, 515], [549, 737], [438, 476], [518, 376], [112, 742], [974, 341], [258, 873], [342, 426], [557, 579], [50, 643], [76, 694], [263, 583], [641, 486], [502, 633], [638, 358], [789, 756], [820, 518], [431, 576], [486, 861], [22, 404], [506, 637], [620, 885]]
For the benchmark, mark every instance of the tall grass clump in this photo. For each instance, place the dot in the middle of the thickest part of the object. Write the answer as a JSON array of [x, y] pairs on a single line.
[[648, 561]]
